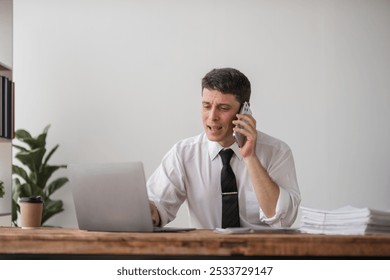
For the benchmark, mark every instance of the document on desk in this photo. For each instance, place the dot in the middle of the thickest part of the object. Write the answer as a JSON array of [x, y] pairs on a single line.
[[257, 229], [345, 220]]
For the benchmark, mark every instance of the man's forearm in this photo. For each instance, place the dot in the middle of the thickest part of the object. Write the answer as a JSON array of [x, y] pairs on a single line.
[[267, 191]]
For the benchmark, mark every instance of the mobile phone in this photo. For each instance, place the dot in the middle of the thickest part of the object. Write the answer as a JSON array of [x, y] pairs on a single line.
[[238, 137]]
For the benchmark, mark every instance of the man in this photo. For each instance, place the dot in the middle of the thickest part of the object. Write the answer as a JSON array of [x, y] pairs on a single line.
[[266, 191]]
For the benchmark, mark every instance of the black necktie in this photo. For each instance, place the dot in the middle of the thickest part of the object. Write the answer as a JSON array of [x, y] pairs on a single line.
[[230, 213]]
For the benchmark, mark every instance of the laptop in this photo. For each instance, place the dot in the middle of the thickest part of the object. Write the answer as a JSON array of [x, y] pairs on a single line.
[[112, 197]]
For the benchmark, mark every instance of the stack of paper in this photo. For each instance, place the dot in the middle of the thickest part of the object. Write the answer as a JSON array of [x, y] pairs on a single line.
[[346, 220]]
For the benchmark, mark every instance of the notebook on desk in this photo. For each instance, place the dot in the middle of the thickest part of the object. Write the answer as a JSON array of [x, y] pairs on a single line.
[[112, 197]]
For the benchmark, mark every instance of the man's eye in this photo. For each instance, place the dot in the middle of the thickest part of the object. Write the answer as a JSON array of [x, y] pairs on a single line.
[[224, 108]]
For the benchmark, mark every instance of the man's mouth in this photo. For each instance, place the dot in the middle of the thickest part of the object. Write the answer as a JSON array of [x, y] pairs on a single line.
[[214, 128]]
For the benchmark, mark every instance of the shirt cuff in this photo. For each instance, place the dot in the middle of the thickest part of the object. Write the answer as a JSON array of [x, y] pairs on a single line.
[[280, 211]]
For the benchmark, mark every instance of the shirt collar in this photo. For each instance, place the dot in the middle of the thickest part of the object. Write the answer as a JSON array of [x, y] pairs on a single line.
[[215, 148]]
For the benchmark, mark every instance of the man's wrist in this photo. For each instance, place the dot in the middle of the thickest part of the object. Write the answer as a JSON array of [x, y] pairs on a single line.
[[251, 159], [155, 214]]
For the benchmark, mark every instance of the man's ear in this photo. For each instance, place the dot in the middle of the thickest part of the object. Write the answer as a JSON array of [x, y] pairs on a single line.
[[239, 108]]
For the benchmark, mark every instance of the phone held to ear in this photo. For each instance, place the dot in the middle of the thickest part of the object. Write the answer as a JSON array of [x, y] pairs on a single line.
[[240, 138]]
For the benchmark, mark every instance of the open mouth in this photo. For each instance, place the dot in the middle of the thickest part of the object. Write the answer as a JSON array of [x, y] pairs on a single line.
[[214, 128]]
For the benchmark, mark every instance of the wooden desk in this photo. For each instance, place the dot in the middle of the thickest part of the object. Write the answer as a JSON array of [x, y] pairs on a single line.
[[59, 242]]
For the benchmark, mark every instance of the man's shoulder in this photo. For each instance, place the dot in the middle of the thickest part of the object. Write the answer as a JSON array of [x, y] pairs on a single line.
[[266, 140], [191, 142]]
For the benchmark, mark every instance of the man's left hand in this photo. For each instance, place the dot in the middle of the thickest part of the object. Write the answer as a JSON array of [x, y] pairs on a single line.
[[246, 125]]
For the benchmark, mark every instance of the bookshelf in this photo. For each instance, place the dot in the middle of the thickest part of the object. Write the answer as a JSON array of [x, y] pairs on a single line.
[[6, 61]]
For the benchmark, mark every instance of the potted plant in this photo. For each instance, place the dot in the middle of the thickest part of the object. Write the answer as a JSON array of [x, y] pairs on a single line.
[[32, 178]]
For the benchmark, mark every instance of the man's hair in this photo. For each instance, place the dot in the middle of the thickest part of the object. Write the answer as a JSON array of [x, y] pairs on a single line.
[[228, 80]]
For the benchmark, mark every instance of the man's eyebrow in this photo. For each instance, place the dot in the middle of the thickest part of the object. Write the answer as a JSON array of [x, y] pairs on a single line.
[[224, 105], [218, 104]]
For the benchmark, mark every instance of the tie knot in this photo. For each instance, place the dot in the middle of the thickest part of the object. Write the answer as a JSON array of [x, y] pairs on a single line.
[[226, 155]]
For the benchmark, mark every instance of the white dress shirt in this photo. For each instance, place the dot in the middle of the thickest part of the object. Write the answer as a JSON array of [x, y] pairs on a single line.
[[191, 171]]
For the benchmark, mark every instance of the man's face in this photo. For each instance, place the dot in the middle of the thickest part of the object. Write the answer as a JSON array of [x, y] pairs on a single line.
[[218, 112]]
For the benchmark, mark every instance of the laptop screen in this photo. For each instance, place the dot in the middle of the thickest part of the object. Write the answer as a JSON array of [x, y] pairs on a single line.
[[110, 196]]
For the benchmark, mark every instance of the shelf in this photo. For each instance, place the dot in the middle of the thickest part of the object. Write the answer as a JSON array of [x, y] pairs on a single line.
[[4, 140], [4, 67], [6, 54], [5, 70]]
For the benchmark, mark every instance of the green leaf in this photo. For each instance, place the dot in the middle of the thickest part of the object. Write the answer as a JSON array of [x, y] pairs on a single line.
[[46, 172], [32, 159], [25, 190], [46, 129], [22, 173], [41, 139], [16, 188], [50, 154], [22, 134], [51, 207], [55, 185], [2, 191], [20, 148], [33, 143], [15, 210], [26, 137]]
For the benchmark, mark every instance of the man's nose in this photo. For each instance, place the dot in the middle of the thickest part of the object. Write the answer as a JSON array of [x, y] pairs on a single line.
[[214, 115]]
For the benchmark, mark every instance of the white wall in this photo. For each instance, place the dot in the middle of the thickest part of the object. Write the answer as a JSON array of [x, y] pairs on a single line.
[[120, 80], [6, 32]]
